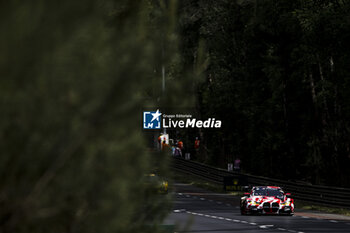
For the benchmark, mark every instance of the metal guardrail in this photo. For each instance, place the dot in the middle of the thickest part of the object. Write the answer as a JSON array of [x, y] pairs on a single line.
[[325, 195]]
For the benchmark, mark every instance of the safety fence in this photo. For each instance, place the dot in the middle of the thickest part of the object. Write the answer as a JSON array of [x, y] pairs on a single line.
[[316, 194]]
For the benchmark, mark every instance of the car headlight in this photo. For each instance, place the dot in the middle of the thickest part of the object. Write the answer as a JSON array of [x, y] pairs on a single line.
[[254, 203]]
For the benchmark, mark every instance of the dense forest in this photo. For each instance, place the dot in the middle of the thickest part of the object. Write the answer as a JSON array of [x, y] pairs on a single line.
[[279, 79], [76, 76]]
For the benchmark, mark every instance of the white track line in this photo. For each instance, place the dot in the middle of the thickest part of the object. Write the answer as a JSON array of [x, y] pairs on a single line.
[[265, 226], [240, 221]]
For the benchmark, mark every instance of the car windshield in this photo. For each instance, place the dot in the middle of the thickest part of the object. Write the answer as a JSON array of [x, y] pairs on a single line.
[[260, 192], [274, 193], [268, 192]]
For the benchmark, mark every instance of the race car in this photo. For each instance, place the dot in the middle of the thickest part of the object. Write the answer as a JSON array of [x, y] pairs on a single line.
[[267, 200]]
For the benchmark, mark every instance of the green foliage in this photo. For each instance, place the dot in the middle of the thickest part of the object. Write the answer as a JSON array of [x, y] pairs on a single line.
[[74, 76], [278, 80]]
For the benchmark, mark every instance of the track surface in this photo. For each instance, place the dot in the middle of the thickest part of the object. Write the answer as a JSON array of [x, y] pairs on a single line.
[[198, 210]]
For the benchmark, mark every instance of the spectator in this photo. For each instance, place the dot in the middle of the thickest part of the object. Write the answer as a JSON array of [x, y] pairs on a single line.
[[165, 146], [180, 144], [160, 146], [177, 152], [196, 144], [237, 165], [173, 150]]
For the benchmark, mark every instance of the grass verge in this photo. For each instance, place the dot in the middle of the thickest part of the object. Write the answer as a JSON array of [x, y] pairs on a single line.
[[331, 210], [201, 183]]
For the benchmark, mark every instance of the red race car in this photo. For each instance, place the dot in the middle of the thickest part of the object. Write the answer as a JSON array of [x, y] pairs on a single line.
[[267, 200]]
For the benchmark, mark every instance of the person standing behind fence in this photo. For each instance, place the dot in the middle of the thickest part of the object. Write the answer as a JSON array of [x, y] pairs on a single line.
[[165, 146], [180, 144], [196, 148], [196, 144], [177, 152], [160, 142], [237, 165]]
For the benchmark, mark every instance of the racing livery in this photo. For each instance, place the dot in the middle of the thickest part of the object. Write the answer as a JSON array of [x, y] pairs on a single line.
[[267, 200]]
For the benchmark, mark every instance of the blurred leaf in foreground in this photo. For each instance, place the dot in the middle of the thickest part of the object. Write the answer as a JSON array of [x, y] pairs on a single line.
[[72, 154]]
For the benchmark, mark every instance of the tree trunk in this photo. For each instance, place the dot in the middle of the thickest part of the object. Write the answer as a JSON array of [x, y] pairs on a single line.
[[325, 105], [313, 92]]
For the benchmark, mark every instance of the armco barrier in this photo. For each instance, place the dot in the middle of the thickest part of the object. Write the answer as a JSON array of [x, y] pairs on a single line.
[[325, 195]]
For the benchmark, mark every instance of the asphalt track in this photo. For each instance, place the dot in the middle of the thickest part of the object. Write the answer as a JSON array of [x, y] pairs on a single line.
[[198, 210]]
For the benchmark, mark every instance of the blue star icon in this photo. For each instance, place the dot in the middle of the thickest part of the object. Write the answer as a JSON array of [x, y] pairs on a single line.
[[156, 115]]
